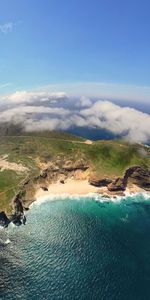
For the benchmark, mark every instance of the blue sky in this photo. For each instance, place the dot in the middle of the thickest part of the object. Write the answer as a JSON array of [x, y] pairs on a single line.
[[51, 42]]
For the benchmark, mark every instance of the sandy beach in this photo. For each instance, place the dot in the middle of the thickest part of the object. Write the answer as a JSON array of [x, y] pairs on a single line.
[[81, 187], [70, 187]]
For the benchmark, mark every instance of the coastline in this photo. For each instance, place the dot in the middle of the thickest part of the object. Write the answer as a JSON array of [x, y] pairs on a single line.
[[73, 187], [74, 181], [70, 188]]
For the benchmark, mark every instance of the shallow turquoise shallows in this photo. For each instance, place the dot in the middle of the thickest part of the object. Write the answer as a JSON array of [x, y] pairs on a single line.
[[78, 249]]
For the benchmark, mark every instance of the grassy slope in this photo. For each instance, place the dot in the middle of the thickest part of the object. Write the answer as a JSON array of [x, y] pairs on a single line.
[[107, 158]]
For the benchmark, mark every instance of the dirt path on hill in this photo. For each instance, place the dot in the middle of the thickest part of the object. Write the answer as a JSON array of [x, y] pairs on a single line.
[[87, 142], [6, 165]]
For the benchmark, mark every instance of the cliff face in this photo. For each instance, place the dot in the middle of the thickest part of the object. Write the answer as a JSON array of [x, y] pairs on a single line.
[[55, 172], [137, 175], [141, 177], [99, 182], [17, 217], [4, 220]]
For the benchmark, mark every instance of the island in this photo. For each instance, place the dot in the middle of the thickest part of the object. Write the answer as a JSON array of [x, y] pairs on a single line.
[[36, 164]]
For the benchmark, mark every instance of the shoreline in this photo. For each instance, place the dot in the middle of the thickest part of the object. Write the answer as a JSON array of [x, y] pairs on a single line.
[[72, 182], [68, 190], [80, 188], [70, 187]]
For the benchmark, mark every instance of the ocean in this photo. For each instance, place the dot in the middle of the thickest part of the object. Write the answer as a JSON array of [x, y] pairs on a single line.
[[78, 248]]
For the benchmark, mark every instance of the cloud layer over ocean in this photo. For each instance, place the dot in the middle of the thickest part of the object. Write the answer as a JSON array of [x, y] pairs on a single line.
[[46, 111]]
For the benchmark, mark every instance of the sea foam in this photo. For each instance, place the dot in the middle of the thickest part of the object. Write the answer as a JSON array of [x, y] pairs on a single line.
[[92, 196]]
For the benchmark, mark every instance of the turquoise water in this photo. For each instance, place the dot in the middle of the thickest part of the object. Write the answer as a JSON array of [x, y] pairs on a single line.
[[78, 249]]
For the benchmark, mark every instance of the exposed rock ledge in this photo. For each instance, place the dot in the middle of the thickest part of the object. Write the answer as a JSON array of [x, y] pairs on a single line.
[[140, 176], [137, 175]]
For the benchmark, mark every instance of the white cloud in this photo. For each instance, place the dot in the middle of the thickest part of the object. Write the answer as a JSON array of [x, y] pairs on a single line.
[[31, 97], [84, 101], [43, 110], [7, 27], [25, 112], [125, 121]]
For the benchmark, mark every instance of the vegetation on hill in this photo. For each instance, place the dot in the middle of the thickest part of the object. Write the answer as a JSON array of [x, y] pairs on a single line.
[[106, 158]]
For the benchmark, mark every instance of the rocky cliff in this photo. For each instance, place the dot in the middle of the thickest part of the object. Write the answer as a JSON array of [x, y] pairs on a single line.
[[137, 175]]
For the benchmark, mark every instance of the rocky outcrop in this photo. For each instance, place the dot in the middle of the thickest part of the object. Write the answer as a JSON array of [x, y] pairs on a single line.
[[141, 178], [137, 175], [99, 182], [18, 218], [79, 165], [17, 204], [4, 221], [117, 185]]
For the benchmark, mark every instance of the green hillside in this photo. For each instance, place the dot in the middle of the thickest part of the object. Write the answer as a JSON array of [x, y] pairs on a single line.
[[106, 158]]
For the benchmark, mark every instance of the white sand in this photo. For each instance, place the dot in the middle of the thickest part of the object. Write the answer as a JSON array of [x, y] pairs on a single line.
[[79, 187], [70, 187]]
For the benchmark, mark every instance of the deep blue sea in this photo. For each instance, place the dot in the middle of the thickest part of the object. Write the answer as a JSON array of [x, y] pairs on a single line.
[[79, 248]]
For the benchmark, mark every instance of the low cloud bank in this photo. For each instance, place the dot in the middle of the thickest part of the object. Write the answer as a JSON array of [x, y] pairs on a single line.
[[45, 111]]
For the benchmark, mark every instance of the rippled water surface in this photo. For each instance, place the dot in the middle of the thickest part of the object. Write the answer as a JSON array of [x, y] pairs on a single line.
[[78, 249]]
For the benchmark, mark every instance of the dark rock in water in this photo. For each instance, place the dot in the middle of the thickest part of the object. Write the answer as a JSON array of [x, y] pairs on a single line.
[[105, 196], [16, 220], [17, 217], [24, 220], [99, 182], [4, 221], [44, 188]]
